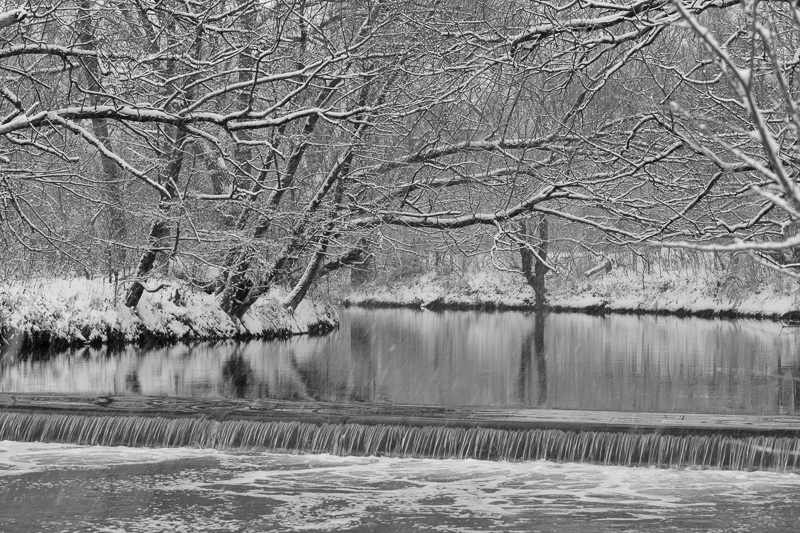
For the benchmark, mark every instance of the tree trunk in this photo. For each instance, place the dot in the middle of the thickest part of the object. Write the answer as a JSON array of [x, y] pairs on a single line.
[[112, 174], [117, 225], [238, 294], [158, 232], [534, 257], [309, 275], [169, 177], [235, 294], [160, 229], [361, 270], [235, 298]]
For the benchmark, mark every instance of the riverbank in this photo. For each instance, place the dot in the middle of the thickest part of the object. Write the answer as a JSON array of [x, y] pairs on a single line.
[[47, 313], [619, 291]]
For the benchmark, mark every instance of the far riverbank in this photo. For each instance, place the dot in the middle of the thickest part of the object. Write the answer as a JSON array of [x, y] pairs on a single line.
[[619, 291]]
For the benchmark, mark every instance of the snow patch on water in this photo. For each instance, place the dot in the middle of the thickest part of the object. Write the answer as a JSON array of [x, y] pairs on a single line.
[[26, 457]]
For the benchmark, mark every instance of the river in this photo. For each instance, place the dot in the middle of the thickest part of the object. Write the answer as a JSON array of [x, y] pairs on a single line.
[[500, 360], [560, 361]]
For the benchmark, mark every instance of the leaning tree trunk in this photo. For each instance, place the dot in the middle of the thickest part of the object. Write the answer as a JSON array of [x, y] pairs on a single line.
[[239, 292], [235, 298], [160, 230], [287, 257], [309, 275]]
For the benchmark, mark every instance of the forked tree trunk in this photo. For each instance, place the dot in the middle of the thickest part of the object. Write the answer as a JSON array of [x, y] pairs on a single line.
[[534, 266], [238, 293], [235, 297]]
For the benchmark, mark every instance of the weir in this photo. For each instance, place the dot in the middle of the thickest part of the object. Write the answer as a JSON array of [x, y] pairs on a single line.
[[629, 439]]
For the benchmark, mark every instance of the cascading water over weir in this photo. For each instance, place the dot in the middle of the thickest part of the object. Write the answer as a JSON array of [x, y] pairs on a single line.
[[631, 439]]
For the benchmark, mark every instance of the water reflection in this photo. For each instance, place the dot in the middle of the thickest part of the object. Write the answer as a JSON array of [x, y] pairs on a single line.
[[568, 361], [238, 376], [531, 394]]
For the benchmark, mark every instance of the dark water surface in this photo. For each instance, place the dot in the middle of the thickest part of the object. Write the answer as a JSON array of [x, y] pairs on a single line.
[[563, 361]]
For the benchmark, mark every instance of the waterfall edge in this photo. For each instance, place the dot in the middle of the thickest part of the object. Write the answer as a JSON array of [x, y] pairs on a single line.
[[598, 447], [628, 439]]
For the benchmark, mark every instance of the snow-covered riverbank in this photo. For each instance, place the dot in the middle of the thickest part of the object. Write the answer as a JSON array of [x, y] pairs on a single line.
[[622, 291], [54, 313]]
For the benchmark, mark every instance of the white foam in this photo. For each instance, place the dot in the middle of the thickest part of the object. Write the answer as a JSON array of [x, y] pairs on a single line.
[[19, 457], [325, 492]]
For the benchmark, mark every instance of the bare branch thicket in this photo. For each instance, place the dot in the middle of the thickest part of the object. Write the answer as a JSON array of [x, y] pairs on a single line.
[[277, 142], [735, 106]]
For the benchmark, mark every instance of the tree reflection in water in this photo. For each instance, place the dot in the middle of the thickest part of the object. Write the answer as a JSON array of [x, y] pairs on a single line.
[[533, 345], [132, 383], [238, 375], [557, 360]]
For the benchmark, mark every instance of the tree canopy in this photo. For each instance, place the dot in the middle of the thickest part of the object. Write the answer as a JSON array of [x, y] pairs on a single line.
[[277, 141]]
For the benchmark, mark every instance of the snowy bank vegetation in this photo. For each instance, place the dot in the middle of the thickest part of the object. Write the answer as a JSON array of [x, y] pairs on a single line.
[[52, 312], [622, 290]]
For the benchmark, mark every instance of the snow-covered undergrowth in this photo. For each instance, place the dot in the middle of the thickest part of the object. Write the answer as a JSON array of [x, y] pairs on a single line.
[[47, 312], [621, 290]]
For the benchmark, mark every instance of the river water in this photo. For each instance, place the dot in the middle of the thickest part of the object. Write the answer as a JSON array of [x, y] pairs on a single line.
[[51, 487], [562, 361]]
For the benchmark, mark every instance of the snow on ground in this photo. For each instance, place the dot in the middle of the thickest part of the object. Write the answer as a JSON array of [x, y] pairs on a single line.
[[620, 290], [89, 311]]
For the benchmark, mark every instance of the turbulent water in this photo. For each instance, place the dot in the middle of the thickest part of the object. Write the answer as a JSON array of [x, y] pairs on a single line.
[[48, 487]]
